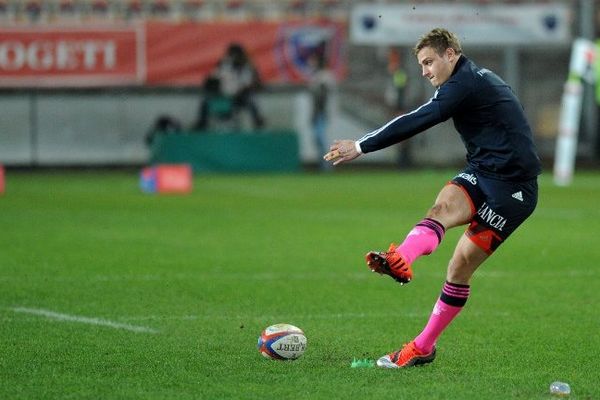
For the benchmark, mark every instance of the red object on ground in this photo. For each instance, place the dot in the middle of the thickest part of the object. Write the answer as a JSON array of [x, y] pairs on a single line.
[[167, 178]]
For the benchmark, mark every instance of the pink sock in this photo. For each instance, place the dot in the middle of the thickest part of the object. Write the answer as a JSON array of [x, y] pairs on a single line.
[[451, 301], [423, 239]]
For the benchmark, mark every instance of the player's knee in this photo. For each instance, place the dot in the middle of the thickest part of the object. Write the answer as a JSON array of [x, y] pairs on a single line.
[[439, 210], [449, 213]]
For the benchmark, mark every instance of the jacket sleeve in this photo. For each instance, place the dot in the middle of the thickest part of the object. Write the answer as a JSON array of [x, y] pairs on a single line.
[[439, 108]]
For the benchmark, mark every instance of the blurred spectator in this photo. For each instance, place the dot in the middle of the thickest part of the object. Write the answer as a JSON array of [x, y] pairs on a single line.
[[193, 5], [99, 8], [33, 10], [193, 9], [133, 9], [297, 8], [164, 125], [235, 80], [160, 8], [3, 8], [215, 106], [321, 85], [66, 7], [68, 11], [399, 79], [233, 6]]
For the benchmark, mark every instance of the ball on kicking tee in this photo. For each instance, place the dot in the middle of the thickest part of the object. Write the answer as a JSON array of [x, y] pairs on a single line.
[[282, 342]]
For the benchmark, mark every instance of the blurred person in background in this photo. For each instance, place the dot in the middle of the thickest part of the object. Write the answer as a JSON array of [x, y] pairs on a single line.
[[397, 98], [321, 84], [236, 79], [164, 125], [494, 194], [399, 79]]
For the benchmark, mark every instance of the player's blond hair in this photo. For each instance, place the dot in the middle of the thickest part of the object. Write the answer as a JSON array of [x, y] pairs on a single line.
[[439, 39]]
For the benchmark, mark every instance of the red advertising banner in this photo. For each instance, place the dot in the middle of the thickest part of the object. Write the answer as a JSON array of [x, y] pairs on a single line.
[[82, 56], [162, 53], [185, 53]]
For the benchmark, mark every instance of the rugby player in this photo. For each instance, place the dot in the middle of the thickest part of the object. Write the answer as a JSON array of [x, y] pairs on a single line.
[[494, 194]]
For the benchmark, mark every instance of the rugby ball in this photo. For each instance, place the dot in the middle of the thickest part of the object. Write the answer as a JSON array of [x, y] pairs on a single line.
[[282, 342]]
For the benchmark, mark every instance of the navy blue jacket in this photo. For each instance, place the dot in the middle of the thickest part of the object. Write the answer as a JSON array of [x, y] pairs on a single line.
[[487, 115]]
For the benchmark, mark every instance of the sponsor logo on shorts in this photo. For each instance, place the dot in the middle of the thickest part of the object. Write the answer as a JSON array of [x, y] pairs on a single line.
[[518, 195], [472, 179], [491, 217]]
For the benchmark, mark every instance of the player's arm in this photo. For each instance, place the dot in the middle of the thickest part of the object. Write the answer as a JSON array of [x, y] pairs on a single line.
[[445, 101], [402, 127], [439, 108], [397, 130]]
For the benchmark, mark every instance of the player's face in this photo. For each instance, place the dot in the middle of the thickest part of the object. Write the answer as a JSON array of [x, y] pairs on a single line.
[[437, 68]]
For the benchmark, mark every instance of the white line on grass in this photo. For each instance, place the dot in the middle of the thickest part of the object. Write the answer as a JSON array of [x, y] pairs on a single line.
[[83, 320]]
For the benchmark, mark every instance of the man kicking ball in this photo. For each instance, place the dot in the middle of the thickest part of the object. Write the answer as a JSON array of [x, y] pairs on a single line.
[[494, 194]]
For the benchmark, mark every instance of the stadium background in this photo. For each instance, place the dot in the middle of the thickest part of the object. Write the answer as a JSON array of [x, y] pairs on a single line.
[[47, 120]]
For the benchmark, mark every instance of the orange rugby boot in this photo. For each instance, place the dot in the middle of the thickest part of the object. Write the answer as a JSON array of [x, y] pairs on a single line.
[[408, 356], [390, 263]]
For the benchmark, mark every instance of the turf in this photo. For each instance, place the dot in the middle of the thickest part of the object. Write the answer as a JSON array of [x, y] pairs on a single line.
[[202, 275]]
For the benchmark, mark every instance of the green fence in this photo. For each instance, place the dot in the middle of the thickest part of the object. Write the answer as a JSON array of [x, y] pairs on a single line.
[[262, 151]]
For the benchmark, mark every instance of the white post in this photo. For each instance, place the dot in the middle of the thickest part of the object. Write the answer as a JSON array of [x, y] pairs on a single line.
[[582, 59]]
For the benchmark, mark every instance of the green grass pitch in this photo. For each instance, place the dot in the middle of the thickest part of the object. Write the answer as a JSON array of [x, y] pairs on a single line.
[[108, 293]]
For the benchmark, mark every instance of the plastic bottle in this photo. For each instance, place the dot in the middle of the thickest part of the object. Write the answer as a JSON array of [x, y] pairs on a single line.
[[561, 389], [366, 363]]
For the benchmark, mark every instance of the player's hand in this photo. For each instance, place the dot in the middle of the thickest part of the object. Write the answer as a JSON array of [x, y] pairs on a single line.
[[341, 151]]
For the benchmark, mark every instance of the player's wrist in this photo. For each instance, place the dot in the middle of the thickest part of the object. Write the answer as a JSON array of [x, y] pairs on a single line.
[[357, 147]]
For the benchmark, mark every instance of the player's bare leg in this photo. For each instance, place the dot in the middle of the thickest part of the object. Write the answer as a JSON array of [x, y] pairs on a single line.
[[452, 208], [466, 259]]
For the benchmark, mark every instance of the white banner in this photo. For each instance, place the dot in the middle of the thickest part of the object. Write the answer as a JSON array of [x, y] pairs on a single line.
[[403, 24]]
